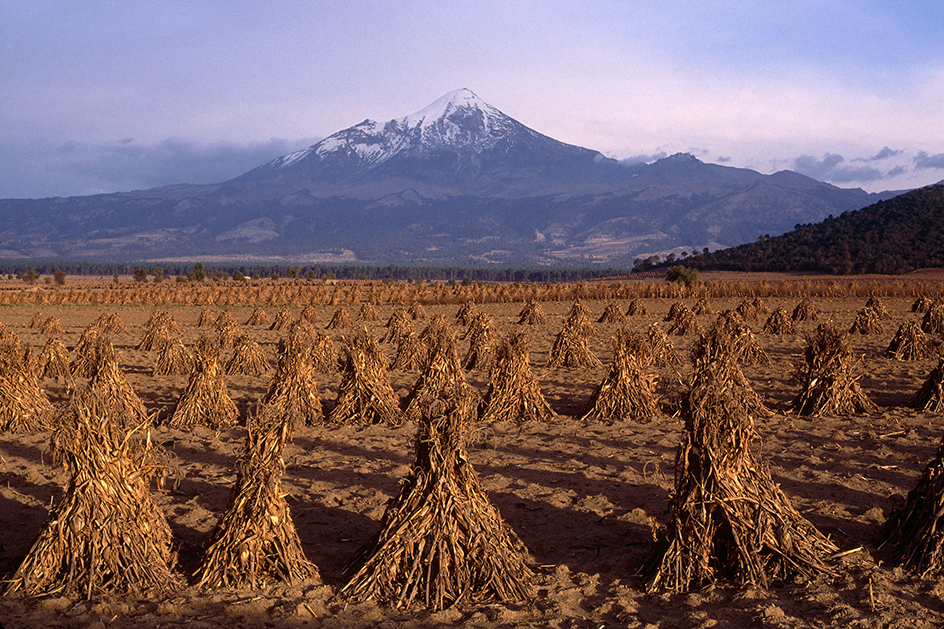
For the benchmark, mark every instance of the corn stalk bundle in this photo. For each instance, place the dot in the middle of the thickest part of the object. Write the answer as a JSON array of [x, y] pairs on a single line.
[[513, 392], [367, 312], [310, 314], [412, 354], [173, 359], [24, 406], [111, 323], [626, 393], [571, 349], [259, 318], [162, 318], [760, 307], [612, 314], [867, 321], [365, 395], [441, 541], [685, 322], [481, 354], [53, 361], [674, 311], [325, 357], [293, 393], [876, 304], [283, 319], [467, 312], [85, 358], [661, 349], [921, 304], [301, 335], [930, 397], [532, 314], [109, 384], [933, 322], [399, 324], [51, 326], [442, 377], [914, 533], [105, 535], [206, 401], [437, 328], [806, 310], [727, 518], [780, 323], [36, 321], [703, 307], [340, 321], [227, 330], [248, 358], [255, 543], [417, 312], [748, 310], [156, 337], [909, 343], [739, 341], [206, 319], [637, 308], [825, 372]]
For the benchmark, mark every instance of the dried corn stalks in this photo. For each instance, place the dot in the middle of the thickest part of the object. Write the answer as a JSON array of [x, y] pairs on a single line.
[[825, 372], [780, 323], [532, 314], [930, 397], [248, 358], [571, 349], [626, 393], [806, 310], [909, 343], [173, 359], [867, 321], [365, 395], [206, 401], [442, 377], [53, 361], [293, 395], [513, 392], [340, 321], [661, 349], [259, 318], [481, 354], [24, 406]]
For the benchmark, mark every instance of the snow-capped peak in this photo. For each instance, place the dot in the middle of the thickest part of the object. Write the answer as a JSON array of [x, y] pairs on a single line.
[[442, 107]]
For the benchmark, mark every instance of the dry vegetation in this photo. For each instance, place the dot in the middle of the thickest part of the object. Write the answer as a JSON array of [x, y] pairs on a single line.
[[735, 472]]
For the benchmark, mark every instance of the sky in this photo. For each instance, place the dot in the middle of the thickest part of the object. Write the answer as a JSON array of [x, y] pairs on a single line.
[[102, 96]]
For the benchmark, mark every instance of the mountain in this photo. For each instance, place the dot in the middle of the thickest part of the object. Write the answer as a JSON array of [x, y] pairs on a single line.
[[458, 182], [898, 235]]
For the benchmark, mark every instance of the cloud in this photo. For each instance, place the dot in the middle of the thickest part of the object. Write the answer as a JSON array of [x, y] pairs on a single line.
[[923, 160], [833, 168], [885, 153], [643, 158]]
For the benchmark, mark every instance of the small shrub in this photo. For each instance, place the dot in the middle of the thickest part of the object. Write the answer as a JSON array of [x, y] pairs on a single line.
[[682, 275]]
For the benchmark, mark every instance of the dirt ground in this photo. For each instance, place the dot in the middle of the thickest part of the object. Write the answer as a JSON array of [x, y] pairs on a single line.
[[580, 495]]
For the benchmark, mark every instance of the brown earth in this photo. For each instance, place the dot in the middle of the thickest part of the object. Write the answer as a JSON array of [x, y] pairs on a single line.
[[582, 496]]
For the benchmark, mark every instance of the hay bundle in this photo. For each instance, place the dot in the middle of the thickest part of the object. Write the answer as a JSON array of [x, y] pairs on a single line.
[[578, 318], [325, 357], [259, 318], [626, 393], [412, 353], [341, 320], [85, 357], [310, 314], [439, 326], [612, 314], [205, 401], [51, 326], [702, 307], [930, 397], [637, 308], [513, 392], [53, 361], [24, 406], [780, 323], [914, 533], [368, 312], [909, 343], [727, 518], [571, 349], [417, 312], [109, 384], [532, 314], [685, 322], [255, 543], [481, 354], [173, 359], [398, 325], [248, 358], [740, 340], [36, 321], [467, 312], [158, 330], [283, 319], [933, 322], [867, 321], [806, 310], [674, 311], [227, 330], [661, 349], [442, 378], [825, 372], [162, 318], [206, 319], [365, 395], [111, 323], [441, 541], [921, 304], [293, 395], [748, 310], [878, 307], [105, 535]]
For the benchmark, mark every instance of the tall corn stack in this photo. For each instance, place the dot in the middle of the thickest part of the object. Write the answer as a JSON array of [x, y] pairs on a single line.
[[24, 406], [806, 310], [909, 343], [780, 323], [878, 307], [571, 349], [53, 361], [702, 307], [292, 396], [684, 322], [109, 384], [36, 321], [283, 319], [743, 343], [728, 520], [674, 311], [367, 312], [661, 349], [825, 373], [207, 318], [532, 314], [365, 395], [442, 374], [259, 318], [578, 318], [227, 330], [412, 354], [933, 321], [930, 397], [325, 357], [481, 354], [111, 323], [417, 312], [867, 321], [248, 359], [637, 308], [51, 326], [443, 522], [85, 357], [105, 535], [514, 394], [398, 325], [255, 542], [310, 314], [627, 392], [922, 303], [341, 320], [467, 312], [173, 359], [206, 401], [612, 314]]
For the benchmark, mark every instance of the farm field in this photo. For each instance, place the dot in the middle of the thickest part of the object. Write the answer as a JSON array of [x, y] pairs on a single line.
[[582, 496]]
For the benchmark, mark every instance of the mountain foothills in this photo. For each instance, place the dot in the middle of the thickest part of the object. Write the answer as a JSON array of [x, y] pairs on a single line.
[[458, 182], [899, 235]]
